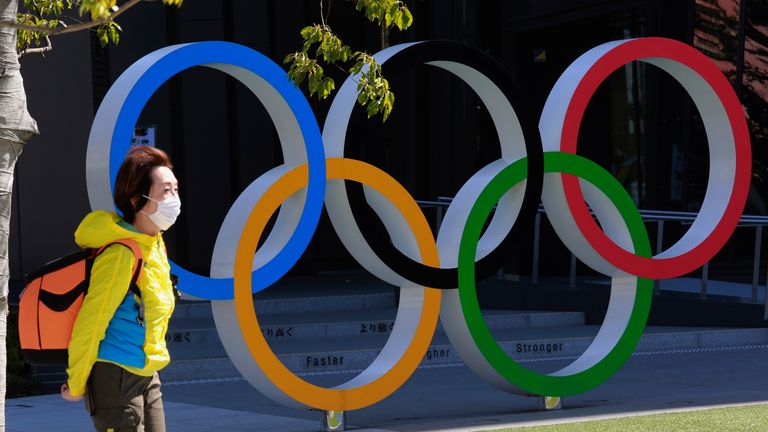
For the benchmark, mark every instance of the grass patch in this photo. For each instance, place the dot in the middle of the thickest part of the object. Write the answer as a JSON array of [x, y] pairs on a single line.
[[744, 418]]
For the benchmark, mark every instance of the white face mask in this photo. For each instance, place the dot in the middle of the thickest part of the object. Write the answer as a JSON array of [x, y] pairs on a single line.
[[167, 211]]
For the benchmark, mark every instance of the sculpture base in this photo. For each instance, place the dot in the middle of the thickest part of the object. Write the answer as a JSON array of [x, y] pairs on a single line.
[[550, 403], [334, 421]]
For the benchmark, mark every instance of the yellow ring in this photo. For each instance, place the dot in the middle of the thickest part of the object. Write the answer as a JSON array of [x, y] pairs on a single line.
[[302, 391]]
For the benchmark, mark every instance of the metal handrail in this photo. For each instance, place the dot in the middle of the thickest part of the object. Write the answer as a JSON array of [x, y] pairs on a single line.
[[650, 216]]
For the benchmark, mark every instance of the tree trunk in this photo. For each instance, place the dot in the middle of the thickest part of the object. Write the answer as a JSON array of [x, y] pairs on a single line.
[[384, 35], [9, 153], [16, 127]]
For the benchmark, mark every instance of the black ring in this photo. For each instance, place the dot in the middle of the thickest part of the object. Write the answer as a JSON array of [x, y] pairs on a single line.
[[375, 233]]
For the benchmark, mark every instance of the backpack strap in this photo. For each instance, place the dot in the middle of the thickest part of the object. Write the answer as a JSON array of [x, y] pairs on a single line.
[[138, 263]]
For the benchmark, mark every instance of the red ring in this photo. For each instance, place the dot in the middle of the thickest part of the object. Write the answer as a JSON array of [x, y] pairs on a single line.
[[615, 58]]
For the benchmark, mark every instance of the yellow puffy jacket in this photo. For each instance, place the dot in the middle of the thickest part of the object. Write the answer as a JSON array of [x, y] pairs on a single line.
[[106, 328]]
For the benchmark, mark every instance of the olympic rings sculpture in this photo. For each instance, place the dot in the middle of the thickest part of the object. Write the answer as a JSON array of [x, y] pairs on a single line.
[[437, 276]]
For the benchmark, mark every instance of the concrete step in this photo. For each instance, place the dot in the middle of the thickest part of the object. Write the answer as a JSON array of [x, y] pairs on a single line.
[[295, 305], [339, 354], [367, 322]]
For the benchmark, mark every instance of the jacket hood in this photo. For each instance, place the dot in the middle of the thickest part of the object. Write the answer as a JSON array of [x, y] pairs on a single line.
[[100, 227]]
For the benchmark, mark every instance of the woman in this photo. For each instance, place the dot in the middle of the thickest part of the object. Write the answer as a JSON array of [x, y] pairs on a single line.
[[118, 340]]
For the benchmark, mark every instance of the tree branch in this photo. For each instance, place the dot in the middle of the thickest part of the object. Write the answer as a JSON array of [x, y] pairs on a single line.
[[73, 28], [38, 50], [328, 13]]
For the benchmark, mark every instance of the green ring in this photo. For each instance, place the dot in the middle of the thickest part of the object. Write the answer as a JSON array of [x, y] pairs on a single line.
[[523, 378]]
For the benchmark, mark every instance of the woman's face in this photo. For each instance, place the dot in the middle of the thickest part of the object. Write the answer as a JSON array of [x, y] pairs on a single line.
[[164, 185]]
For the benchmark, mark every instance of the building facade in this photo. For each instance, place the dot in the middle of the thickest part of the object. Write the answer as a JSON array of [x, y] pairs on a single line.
[[640, 125]]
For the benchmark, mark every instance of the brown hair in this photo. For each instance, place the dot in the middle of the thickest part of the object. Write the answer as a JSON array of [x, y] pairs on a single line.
[[134, 179]]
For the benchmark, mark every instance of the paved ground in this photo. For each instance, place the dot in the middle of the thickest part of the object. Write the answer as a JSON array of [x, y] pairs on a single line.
[[448, 398]]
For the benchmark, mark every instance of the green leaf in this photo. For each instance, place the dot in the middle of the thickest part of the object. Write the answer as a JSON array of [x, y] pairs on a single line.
[[97, 9], [101, 33], [319, 84], [301, 66], [372, 109], [392, 15], [114, 36], [362, 98], [375, 10], [389, 103], [328, 85], [406, 19], [355, 69]]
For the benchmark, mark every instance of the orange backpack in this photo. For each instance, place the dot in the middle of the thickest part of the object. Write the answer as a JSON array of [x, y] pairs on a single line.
[[51, 299]]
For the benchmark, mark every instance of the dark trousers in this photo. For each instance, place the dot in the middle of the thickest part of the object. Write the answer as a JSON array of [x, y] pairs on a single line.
[[120, 401]]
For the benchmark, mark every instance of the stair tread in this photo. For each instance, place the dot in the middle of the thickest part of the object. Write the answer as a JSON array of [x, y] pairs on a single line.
[[348, 316], [346, 344]]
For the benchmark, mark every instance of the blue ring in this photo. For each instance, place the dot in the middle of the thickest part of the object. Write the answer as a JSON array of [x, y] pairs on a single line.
[[202, 53]]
